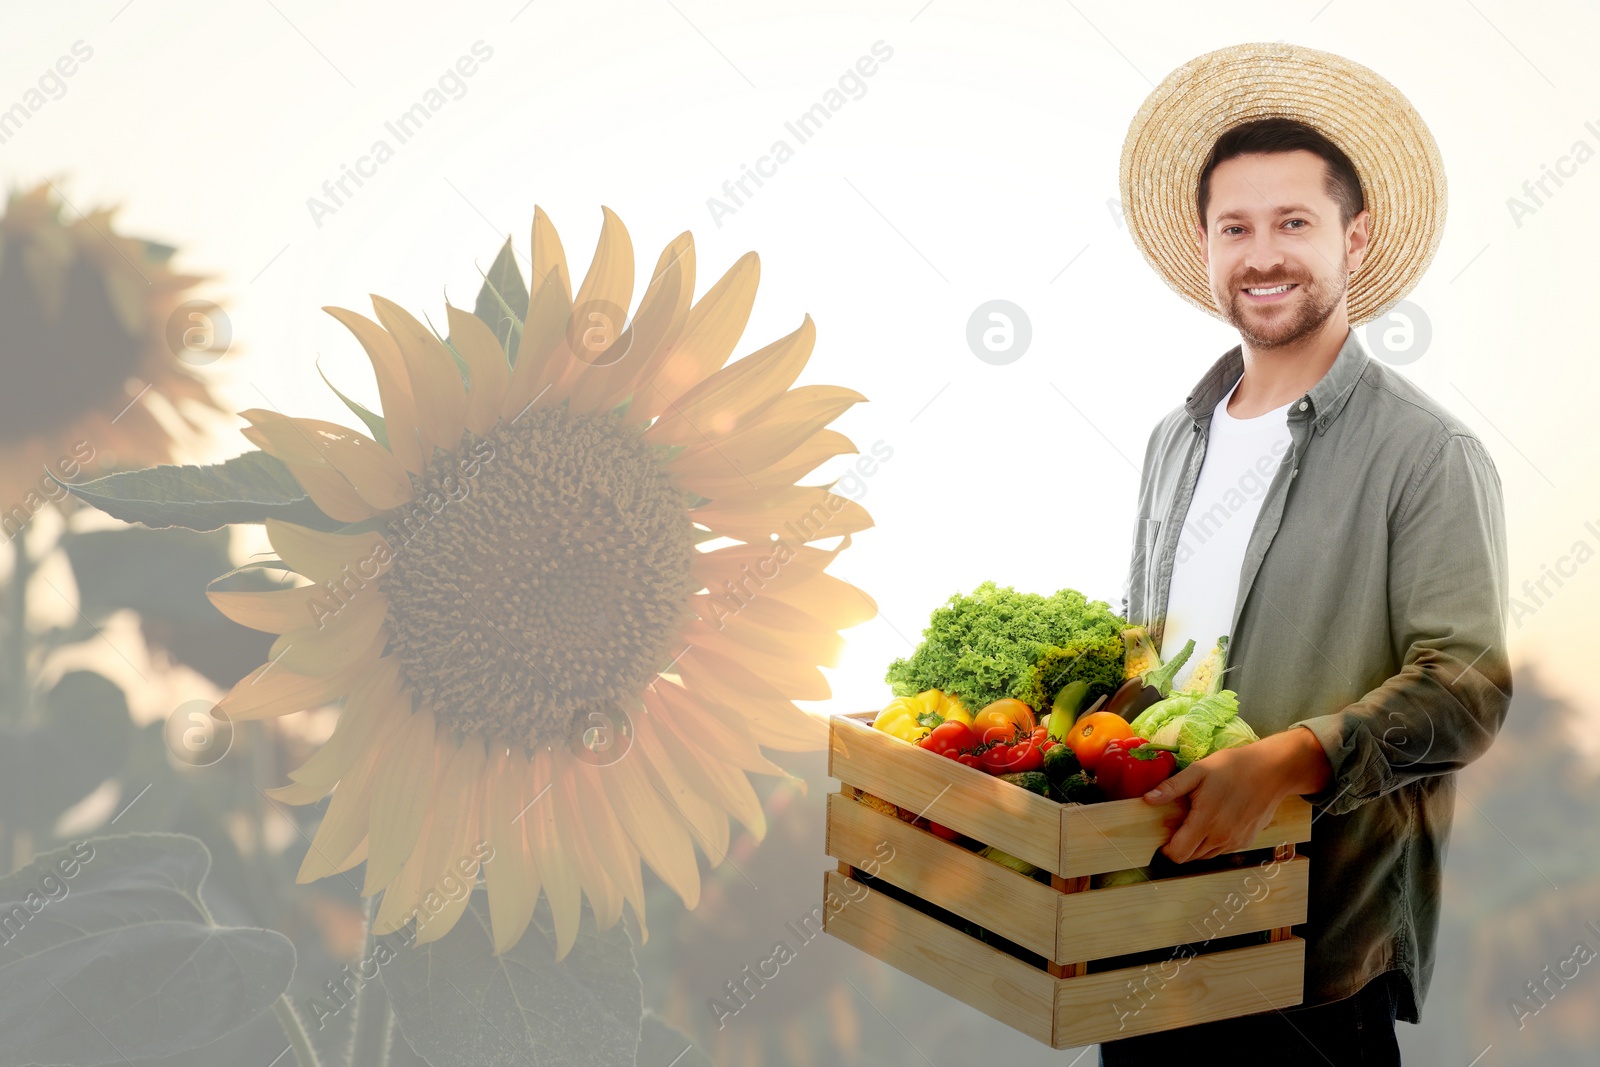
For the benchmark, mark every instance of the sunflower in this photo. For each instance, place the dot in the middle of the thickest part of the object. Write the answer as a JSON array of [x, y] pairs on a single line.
[[546, 671], [84, 351]]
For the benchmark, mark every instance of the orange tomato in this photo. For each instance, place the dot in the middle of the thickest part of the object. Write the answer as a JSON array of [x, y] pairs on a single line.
[[1007, 713], [1091, 734]]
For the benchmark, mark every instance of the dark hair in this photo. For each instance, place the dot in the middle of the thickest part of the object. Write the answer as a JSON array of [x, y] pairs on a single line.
[[1287, 135]]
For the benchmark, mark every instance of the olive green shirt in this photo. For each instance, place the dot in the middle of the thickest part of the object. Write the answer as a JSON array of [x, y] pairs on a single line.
[[1371, 609]]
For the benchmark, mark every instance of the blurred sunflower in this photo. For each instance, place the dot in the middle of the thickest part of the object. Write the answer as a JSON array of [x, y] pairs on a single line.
[[534, 650], [84, 314]]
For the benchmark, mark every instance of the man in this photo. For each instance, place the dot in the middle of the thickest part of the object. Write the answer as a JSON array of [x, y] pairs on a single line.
[[1364, 587]]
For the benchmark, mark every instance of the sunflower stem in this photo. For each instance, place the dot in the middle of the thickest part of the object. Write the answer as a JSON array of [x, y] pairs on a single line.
[[369, 1038], [304, 1054]]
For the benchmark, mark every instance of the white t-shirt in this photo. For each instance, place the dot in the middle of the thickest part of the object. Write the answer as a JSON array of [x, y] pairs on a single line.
[[1241, 457]]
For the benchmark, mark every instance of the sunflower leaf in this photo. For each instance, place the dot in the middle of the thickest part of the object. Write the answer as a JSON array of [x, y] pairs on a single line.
[[458, 1003], [110, 955], [253, 487], [503, 300]]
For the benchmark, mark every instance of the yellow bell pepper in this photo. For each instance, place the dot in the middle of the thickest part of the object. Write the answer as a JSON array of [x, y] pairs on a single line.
[[913, 718]]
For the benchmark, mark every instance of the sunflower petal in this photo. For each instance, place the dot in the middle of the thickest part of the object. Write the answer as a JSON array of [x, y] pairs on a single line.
[[600, 308], [763, 562], [680, 786], [549, 311], [736, 395], [368, 468], [663, 313], [298, 793], [338, 640], [270, 691], [451, 860], [573, 834], [657, 831], [714, 327], [777, 721], [436, 385], [613, 848], [808, 510], [794, 673], [710, 477], [401, 791], [719, 782], [487, 367], [402, 895], [789, 422], [555, 863], [273, 611], [843, 605], [394, 387], [373, 706], [331, 492], [328, 557], [810, 645], [549, 258], [513, 880], [344, 824], [728, 736]]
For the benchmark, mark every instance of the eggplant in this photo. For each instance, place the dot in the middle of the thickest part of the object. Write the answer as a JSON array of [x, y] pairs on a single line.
[[1132, 697]]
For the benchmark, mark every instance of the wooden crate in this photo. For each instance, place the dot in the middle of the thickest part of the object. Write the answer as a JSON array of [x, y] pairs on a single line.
[[1072, 999]]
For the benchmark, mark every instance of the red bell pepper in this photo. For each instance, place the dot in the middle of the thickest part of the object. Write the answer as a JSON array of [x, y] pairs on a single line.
[[1131, 766]]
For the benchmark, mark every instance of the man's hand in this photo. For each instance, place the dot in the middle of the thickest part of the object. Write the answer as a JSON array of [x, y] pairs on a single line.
[[1234, 793]]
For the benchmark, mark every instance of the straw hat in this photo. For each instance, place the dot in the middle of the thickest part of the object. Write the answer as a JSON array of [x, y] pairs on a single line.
[[1169, 140]]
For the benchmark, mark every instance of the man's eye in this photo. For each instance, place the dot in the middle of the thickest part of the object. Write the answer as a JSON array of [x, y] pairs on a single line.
[[1302, 222]]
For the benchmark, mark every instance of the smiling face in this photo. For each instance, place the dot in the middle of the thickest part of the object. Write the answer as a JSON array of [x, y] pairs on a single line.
[[1278, 258]]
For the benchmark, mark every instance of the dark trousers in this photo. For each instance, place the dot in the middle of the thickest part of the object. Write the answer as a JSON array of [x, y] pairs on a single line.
[[1357, 1031]]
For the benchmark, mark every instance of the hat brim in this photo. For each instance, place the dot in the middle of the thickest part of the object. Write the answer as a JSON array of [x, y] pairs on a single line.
[[1394, 154]]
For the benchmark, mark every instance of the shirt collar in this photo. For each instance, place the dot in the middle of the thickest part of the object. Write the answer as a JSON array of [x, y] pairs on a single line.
[[1322, 404]]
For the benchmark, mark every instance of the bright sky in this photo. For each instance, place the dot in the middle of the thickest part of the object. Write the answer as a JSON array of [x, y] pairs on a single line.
[[975, 163]]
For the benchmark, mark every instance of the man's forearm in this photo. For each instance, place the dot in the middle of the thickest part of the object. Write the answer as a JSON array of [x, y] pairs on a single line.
[[1303, 766]]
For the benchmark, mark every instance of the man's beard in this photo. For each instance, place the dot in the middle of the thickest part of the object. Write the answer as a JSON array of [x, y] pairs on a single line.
[[1317, 297]]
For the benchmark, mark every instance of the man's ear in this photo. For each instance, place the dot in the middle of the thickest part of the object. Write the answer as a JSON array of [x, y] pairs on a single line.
[[1357, 240], [1200, 246]]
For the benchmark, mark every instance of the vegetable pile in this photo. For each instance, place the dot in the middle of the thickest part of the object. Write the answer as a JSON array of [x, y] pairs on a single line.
[[1108, 727], [1200, 719], [997, 642]]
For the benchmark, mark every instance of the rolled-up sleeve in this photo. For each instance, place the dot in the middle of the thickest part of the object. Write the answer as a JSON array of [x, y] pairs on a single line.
[[1447, 590]]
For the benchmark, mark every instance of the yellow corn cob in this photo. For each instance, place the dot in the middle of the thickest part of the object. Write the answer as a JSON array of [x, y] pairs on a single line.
[[1141, 652], [1207, 675]]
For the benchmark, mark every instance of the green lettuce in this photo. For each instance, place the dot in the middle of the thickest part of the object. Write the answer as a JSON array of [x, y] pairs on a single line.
[[997, 642]]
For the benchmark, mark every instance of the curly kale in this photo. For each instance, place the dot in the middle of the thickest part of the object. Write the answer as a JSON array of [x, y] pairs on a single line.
[[997, 642]]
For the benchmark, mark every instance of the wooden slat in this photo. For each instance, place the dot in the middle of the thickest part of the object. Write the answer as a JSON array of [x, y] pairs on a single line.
[[1179, 992], [1121, 834], [995, 897], [1186, 909], [963, 798], [1065, 1012], [999, 985]]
